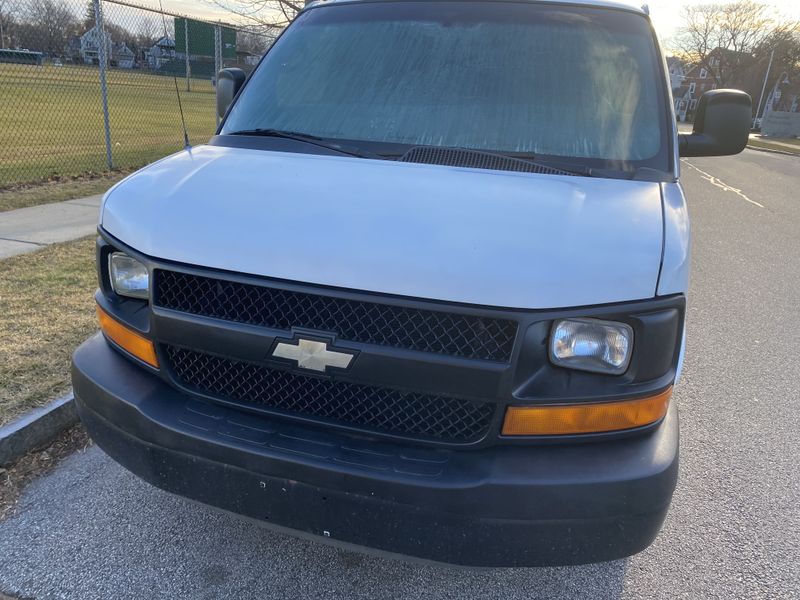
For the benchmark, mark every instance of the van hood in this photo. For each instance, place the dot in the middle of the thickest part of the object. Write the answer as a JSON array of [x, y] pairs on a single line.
[[493, 238]]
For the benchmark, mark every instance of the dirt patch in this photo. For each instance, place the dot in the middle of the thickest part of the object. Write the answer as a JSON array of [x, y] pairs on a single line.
[[36, 463]]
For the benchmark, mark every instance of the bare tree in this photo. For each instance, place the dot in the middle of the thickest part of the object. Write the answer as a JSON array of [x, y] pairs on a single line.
[[148, 32], [729, 33], [253, 42], [7, 21], [48, 25], [263, 14], [786, 45]]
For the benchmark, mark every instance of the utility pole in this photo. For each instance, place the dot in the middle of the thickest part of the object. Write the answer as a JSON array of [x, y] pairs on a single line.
[[103, 56], [217, 57], [764, 87], [186, 49]]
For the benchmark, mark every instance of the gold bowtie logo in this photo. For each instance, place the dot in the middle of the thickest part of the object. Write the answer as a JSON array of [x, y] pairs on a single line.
[[312, 355]]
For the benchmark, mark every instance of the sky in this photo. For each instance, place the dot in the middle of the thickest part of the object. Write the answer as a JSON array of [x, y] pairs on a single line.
[[666, 14]]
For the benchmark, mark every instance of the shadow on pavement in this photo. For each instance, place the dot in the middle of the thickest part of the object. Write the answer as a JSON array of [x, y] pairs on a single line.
[[91, 529]]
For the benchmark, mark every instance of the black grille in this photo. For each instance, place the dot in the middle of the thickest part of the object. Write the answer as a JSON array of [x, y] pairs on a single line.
[[378, 409], [460, 157], [359, 321]]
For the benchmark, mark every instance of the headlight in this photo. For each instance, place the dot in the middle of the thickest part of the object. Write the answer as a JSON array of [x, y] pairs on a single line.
[[128, 276], [592, 345]]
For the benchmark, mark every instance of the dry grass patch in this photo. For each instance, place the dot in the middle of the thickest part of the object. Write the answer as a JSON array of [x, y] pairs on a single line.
[[68, 188], [46, 310], [786, 145], [53, 119]]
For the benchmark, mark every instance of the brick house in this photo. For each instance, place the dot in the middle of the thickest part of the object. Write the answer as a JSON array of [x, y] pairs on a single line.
[[707, 75], [696, 81]]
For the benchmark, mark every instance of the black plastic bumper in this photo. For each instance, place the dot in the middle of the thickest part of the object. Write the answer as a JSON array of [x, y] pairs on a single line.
[[498, 506]]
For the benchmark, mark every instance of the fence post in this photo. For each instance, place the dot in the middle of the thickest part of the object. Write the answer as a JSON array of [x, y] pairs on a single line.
[[103, 58], [186, 49], [217, 57]]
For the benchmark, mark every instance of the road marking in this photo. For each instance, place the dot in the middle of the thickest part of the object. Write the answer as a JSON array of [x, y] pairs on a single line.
[[720, 184]]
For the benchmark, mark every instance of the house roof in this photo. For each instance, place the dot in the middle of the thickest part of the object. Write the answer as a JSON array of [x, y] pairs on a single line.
[[721, 53], [165, 42], [122, 48], [674, 61]]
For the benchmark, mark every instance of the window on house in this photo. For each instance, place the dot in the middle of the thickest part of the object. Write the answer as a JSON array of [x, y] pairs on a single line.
[[703, 73], [692, 87], [693, 105]]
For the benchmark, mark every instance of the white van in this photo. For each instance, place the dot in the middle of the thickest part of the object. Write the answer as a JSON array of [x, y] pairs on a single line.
[[424, 291]]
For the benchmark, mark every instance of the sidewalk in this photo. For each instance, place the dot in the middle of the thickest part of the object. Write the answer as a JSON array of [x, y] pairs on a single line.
[[27, 229]]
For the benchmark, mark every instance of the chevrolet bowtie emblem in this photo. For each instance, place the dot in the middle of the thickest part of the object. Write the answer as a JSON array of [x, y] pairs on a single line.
[[312, 355]]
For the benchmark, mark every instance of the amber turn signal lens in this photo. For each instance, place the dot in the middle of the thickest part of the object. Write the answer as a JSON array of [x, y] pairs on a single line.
[[127, 339], [570, 419]]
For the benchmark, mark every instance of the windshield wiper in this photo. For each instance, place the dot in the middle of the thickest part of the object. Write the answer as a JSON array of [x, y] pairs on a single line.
[[308, 139]]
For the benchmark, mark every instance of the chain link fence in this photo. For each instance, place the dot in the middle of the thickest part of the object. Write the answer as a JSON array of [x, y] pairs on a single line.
[[89, 86]]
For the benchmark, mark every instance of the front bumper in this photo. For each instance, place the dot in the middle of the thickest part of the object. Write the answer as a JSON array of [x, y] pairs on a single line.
[[498, 506]]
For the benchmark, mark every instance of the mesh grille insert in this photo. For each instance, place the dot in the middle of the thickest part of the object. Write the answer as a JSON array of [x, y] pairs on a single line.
[[446, 333], [459, 157], [384, 410]]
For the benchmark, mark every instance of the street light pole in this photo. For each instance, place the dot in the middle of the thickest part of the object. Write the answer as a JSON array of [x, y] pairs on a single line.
[[764, 87]]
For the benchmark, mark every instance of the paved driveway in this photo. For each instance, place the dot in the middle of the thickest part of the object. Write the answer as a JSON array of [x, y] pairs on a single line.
[[91, 530]]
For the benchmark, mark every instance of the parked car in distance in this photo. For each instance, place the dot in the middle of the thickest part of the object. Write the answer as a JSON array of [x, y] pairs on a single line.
[[423, 293]]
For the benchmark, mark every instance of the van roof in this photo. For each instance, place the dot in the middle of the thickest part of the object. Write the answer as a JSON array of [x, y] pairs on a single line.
[[629, 5]]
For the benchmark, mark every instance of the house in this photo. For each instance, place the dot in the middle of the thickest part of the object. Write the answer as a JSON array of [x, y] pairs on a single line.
[[161, 53], [122, 56], [784, 96], [247, 58], [696, 81], [676, 71], [72, 50], [91, 43], [704, 76]]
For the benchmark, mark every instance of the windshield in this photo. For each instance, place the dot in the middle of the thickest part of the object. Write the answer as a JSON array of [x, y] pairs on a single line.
[[578, 83]]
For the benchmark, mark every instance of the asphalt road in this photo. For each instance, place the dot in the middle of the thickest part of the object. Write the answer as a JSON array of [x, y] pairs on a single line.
[[91, 530]]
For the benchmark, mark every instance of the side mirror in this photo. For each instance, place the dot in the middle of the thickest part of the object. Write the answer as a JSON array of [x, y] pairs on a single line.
[[229, 82], [721, 125]]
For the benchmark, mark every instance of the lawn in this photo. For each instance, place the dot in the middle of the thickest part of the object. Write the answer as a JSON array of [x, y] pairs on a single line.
[[53, 119], [46, 310], [784, 144]]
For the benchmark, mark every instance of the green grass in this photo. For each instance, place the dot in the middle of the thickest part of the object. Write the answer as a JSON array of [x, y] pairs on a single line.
[[46, 310], [790, 141], [53, 120]]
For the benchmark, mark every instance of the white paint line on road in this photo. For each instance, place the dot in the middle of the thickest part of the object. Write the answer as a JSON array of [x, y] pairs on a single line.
[[722, 185]]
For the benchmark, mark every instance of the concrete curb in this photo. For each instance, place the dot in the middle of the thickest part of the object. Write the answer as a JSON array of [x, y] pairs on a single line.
[[36, 428], [771, 150]]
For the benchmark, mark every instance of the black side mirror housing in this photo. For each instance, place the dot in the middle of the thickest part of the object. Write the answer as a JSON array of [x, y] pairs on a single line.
[[229, 82], [721, 125]]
